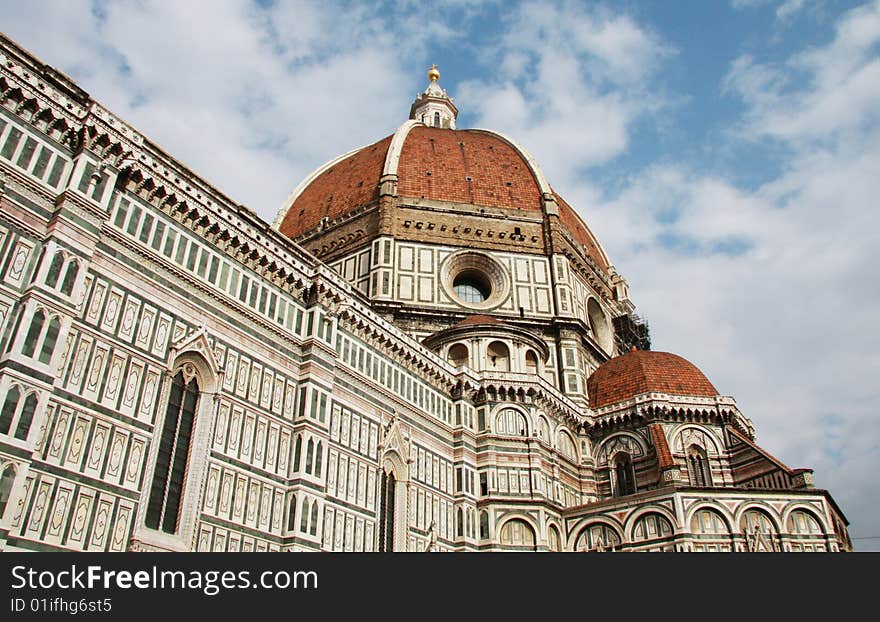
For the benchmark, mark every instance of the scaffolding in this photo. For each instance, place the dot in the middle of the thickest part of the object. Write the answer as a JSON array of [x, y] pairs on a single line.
[[631, 332]]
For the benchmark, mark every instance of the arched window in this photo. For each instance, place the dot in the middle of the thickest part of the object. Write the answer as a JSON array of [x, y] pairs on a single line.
[[55, 270], [386, 512], [651, 526], [166, 490], [708, 522], [710, 532], [26, 417], [800, 522], [460, 523], [511, 422], [599, 325], [313, 529], [757, 519], [39, 333], [699, 472], [319, 449], [304, 516], [309, 452], [598, 537], [296, 453], [484, 526], [436, 119], [516, 532], [554, 541], [13, 405], [457, 355], [566, 445], [10, 405], [531, 362], [33, 334], [543, 429], [805, 532], [49, 342], [6, 481], [70, 277], [291, 514], [499, 356], [624, 478], [759, 531]]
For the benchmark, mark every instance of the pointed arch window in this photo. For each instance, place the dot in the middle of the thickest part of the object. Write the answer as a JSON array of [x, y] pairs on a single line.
[[297, 452], [13, 405], [6, 481], [699, 472], [291, 514], [386, 512], [304, 516], [26, 417], [166, 490], [309, 452], [313, 528], [624, 475], [554, 541], [55, 270], [70, 277], [319, 450], [33, 334], [50, 340], [10, 405], [41, 337]]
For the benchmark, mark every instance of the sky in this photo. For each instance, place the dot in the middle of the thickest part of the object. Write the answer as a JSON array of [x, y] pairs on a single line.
[[725, 153]]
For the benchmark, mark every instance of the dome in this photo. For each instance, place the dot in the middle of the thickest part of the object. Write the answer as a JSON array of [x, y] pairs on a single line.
[[645, 371], [478, 320], [431, 165]]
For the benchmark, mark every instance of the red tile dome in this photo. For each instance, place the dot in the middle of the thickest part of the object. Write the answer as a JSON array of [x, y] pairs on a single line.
[[645, 371], [475, 167]]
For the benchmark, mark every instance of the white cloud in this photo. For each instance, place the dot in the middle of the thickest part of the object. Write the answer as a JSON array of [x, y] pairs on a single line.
[[824, 93], [789, 8], [252, 99], [572, 82]]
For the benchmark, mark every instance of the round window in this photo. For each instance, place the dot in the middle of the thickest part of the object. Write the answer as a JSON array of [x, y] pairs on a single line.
[[474, 280], [471, 287]]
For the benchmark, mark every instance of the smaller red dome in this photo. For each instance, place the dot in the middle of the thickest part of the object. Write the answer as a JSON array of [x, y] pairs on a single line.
[[473, 320], [645, 371]]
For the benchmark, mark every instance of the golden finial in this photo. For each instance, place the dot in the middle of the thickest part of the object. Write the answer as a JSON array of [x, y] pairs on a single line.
[[433, 73]]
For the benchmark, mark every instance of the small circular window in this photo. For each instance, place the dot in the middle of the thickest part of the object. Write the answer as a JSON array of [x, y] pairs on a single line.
[[474, 280]]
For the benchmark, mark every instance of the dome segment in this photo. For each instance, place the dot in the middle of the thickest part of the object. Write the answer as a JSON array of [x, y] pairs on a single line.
[[645, 371], [338, 188], [468, 166]]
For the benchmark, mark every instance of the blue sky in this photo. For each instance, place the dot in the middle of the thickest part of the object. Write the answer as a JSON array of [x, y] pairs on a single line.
[[726, 154]]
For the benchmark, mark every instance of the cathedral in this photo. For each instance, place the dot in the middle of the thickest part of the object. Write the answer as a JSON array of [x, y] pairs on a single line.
[[427, 350]]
